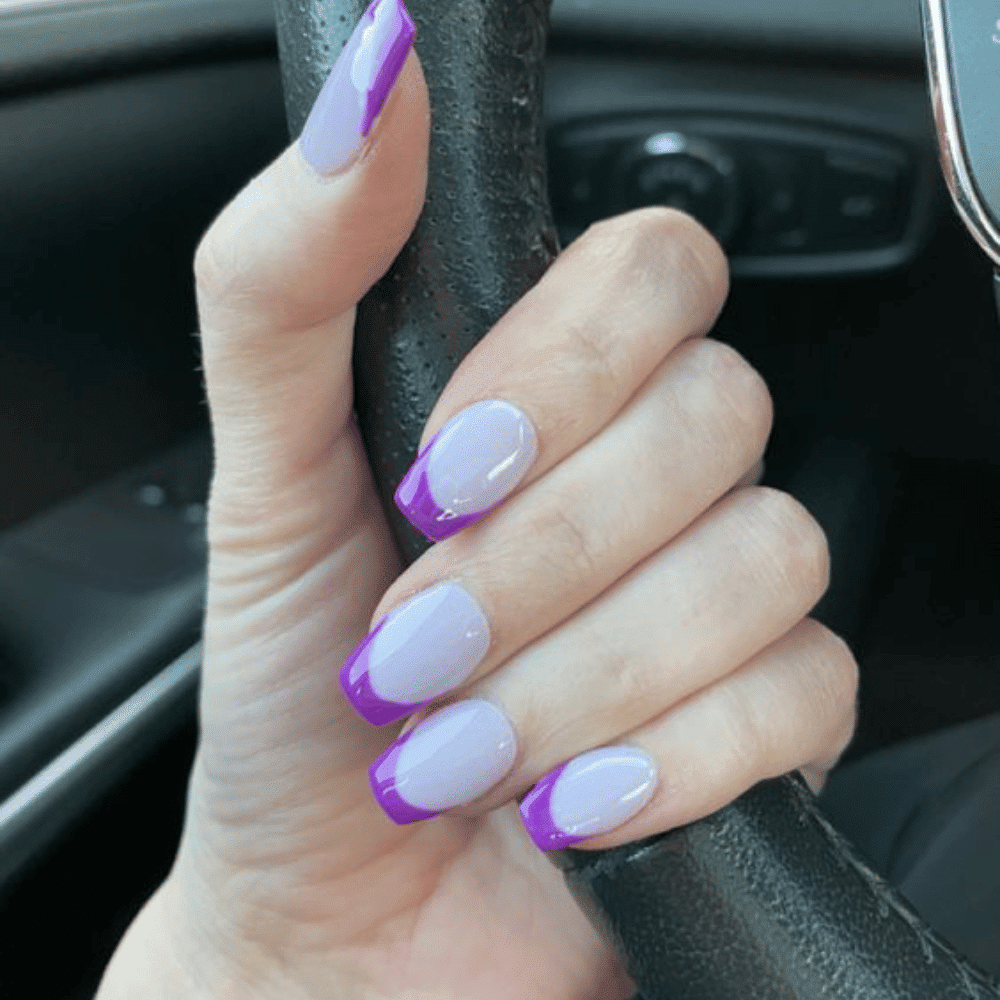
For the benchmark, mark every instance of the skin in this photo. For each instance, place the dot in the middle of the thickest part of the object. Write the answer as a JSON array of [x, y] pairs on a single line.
[[639, 589]]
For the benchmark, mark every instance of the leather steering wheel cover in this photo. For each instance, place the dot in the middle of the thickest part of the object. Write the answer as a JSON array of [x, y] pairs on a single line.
[[762, 899]]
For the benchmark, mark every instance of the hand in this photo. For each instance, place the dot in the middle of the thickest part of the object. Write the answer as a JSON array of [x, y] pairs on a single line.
[[630, 590]]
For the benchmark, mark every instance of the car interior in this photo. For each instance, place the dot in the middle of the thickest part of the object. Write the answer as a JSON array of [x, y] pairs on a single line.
[[800, 134]]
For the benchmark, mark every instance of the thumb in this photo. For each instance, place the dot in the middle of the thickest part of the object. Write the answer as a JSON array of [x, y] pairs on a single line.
[[281, 269]]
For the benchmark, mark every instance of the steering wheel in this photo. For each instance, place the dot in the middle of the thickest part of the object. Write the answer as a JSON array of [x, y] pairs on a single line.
[[764, 898]]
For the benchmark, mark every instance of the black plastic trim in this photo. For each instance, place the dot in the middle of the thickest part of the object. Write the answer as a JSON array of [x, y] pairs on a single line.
[[807, 128], [47, 805], [96, 595], [43, 42], [581, 91], [856, 26], [53, 44]]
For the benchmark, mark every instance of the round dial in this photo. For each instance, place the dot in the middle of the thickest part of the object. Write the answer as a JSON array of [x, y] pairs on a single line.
[[685, 172]]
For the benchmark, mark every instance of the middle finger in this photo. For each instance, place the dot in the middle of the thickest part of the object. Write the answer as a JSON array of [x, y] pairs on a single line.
[[470, 603]]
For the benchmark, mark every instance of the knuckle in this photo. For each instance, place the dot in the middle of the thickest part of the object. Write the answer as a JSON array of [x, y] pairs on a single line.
[[208, 268], [806, 707], [595, 374], [240, 261], [839, 674], [792, 540], [831, 692], [217, 276], [651, 243], [740, 394], [749, 730], [795, 707], [563, 542], [691, 248], [636, 685]]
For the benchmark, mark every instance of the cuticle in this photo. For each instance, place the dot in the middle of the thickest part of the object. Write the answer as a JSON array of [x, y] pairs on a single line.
[[331, 178], [374, 140]]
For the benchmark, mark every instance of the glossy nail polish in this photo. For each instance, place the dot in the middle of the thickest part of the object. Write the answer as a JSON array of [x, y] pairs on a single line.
[[452, 757], [420, 650], [358, 87], [470, 465], [588, 795]]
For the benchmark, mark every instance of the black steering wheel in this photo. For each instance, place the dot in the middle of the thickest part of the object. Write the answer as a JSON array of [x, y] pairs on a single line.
[[764, 898]]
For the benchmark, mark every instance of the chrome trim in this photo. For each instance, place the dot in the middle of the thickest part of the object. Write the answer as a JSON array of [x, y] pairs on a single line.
[[954, 160], [46, 790]]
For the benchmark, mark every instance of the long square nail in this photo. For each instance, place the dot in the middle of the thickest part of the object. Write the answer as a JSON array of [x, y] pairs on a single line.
[[588, 795], [452, 757], [358, 87], [469, 467], [419, 651]]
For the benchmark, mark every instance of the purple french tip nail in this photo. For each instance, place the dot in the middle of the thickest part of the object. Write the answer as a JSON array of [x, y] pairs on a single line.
[[382, 775], [355, 681], [358, 87], [452, 757], [469, 467], [536, 811], [422, 649], [588, 795]]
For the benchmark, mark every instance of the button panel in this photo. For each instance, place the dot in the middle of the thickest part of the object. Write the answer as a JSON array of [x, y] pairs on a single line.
[[784, 198]]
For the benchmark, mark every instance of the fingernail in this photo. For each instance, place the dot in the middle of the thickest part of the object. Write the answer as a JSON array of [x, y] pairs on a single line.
[[358, 87], [470, 465], [450, 758], [420, 650], [588, 795]]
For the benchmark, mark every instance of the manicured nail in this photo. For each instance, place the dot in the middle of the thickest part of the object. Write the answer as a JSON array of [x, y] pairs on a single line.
[[358, 87], [450, 758], [470, 465], [588, 795], [420, 650]]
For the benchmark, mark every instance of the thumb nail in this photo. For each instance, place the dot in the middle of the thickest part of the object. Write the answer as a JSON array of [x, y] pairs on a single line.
[[358, 87]]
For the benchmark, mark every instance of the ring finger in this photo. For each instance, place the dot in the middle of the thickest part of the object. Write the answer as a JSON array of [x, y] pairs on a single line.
[[733, 583]]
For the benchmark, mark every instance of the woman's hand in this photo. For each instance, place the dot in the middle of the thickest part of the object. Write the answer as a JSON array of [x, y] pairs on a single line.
[[617, 583]]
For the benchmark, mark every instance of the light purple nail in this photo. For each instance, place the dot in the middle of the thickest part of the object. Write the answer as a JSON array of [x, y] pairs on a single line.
[[589, 795], [452, 757], [358, 86], [470, 465], [420, 650]]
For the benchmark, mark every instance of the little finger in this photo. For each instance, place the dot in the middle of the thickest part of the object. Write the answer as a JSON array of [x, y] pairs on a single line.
[[791, 706]]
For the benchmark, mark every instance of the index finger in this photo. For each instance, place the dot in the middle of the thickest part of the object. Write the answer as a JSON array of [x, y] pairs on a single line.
[[609, 310]]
